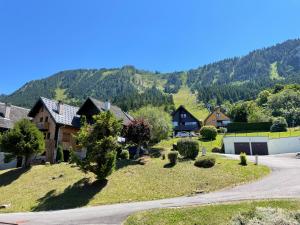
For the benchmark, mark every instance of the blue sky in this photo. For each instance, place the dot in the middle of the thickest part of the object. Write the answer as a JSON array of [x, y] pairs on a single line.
[[39, 38]]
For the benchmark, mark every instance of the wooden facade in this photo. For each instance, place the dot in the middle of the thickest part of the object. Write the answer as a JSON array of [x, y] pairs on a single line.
[[217, 118]]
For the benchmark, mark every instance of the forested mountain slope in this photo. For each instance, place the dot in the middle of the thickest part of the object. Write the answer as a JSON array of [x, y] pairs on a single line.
[[232, 79]]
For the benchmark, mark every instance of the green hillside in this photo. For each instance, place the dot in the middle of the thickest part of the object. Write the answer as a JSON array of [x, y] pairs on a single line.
[[239, 78]]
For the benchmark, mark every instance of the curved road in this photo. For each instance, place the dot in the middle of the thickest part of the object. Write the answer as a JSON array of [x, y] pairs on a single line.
[[283, 182]]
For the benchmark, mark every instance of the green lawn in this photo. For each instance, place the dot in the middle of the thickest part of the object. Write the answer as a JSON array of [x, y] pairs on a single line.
[[189, 101], [220, 214], [290, 133], [63, 186], [168, 144]]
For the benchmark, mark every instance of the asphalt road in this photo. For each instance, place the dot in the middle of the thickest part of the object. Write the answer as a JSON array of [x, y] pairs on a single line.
[[283, 182]]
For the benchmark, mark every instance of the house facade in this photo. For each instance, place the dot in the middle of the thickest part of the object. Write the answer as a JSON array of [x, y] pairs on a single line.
[[9, 115], [60, 122], [217, 118], [183, 120]]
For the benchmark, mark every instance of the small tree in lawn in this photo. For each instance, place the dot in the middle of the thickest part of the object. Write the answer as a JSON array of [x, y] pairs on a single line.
[[100, 141], [23, 140], [59, 154], [138, 132]]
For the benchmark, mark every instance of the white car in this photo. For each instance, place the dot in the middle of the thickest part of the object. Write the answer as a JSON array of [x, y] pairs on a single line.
[[185, 134]]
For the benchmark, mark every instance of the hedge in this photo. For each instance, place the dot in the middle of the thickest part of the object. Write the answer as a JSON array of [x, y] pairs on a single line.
[[248, 127]]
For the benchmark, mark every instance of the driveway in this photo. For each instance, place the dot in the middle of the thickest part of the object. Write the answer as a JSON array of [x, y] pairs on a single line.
[[283, 182]]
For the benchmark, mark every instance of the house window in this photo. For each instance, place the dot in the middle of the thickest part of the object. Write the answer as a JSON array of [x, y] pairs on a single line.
[[183, 116], [218, 115], [46, 119], [66, 137], [175, 124], [41, 119], [191, 123]]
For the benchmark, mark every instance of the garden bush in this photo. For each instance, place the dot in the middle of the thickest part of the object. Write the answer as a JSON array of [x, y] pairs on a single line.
[[217, 150], [209, 132], [248, 127], [267, 216], [124, 154], [59, 154], [279, 125], [188, 148], [173, 156], [243, 159], [205, 162]]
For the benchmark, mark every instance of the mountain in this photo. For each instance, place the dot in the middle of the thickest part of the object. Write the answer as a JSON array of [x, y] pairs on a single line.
[[232, 79], [243, 77]]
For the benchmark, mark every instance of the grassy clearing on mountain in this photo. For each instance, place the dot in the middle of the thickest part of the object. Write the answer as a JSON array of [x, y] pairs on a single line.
[[189, 101], [62, 186], [220, 214]]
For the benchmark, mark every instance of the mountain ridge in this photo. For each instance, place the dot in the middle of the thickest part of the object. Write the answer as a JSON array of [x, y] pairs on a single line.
[[231, 79]]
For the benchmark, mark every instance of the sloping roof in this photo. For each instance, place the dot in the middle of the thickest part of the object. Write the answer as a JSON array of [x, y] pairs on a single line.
[[215, 111], [182, 107], [68, 117], [114, 109], [16, 114]]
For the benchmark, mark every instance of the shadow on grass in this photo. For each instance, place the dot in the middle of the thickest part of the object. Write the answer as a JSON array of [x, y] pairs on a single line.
[[76, 195], [169, 165], [126, 162], [156, 152], [10, 176], [206, 140]]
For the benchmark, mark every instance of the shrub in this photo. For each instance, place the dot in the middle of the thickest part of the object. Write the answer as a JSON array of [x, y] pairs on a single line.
[[59, 154], [250, 127], [209, 132], [172, 156], [217, 150], [124, 154], [279, 125], [267, 216], [243, 159], [205, 162], [222, 130], [188, 148]]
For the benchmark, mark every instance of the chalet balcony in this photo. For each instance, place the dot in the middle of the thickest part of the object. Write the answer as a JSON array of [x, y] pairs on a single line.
[[186, 127], [43, 126]]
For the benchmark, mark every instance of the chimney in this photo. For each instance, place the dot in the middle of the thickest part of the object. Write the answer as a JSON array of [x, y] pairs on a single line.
[[107, 105], [60, 107], [7, 110]]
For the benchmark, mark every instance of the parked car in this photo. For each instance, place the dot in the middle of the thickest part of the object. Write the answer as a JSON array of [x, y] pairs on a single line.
[[185, 134]]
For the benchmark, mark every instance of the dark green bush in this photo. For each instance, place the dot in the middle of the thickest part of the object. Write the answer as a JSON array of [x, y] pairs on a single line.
[[173, 156], [205, 162], [249, 127], [279, 125], [243, 159], [217, 150], [209, 132], [188, 148], [124, 154], [59, 154]]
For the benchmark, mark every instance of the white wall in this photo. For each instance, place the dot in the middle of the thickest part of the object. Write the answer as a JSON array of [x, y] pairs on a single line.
[[229, 142], [275, 146], [284, 145]]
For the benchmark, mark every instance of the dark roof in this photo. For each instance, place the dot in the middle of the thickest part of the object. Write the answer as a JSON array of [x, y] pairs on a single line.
[[101, 108], [16, 114], [182, 107], [69, 116]]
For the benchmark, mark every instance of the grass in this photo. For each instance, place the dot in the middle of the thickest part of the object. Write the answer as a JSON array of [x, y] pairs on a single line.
[[168, 144], [290, 133], [189, 101], [274, 75], [220, 214], [62, 186]]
